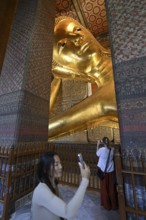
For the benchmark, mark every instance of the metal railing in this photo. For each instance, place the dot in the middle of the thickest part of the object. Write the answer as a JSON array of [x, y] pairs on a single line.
[[131, 178]]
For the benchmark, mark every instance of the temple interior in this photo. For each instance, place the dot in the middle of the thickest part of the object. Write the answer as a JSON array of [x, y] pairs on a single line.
[[73, 72]]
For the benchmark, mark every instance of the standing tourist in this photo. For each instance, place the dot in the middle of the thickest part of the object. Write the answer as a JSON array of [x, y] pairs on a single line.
[[108, 190]]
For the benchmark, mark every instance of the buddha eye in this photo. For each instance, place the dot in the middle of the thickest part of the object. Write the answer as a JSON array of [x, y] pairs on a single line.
[[78, 29]]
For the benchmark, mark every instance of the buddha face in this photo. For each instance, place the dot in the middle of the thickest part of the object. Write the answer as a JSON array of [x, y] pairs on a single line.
[[74, 46]]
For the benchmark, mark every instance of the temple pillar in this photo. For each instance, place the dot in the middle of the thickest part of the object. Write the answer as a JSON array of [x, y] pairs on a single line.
[[127, 34], [127, 28], [26, 74]]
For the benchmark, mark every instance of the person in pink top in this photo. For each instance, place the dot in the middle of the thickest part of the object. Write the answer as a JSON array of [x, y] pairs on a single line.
[[108, 192]]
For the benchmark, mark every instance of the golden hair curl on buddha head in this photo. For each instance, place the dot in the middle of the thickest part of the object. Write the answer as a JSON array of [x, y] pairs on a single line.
[[78, 55]]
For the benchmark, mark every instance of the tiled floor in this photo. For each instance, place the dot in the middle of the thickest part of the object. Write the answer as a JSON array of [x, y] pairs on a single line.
[[90, 209]]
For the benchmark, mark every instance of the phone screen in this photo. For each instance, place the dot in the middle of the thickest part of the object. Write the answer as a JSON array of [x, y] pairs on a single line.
[[81, 159]]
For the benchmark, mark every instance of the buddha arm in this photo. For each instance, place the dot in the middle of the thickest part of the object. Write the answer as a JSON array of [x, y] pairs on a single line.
[[99, 107], [65, 73]]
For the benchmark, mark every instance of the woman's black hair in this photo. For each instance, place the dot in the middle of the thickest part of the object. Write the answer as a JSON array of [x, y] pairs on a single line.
[[45, 164], [106, 140]]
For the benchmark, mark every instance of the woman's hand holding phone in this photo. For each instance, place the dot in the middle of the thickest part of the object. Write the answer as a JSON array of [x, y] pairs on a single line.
[[80, 157], [84, 169]]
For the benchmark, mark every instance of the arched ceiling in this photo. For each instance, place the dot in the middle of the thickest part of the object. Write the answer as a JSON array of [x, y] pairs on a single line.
[[90, 13]]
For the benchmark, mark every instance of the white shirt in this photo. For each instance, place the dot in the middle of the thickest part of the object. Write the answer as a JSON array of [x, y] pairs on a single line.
[[47, 206], [102, 153]]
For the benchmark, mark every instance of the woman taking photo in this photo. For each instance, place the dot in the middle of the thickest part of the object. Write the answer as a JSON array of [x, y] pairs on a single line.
[[46, 203], [108, 192]]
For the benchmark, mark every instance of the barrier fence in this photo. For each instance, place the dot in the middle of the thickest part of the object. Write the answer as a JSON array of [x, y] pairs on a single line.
[[18, 175], [131, 177], [18, 170]]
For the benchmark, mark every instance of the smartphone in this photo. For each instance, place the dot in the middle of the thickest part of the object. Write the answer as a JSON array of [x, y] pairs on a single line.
[[80, 157]]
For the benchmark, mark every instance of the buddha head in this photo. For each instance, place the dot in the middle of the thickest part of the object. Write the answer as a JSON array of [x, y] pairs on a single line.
[[75, 47]]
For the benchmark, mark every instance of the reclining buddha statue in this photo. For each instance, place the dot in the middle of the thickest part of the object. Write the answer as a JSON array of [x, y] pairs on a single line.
[[78, 55]]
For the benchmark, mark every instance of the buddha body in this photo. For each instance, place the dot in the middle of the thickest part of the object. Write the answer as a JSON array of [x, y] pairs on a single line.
[[77, 55]]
